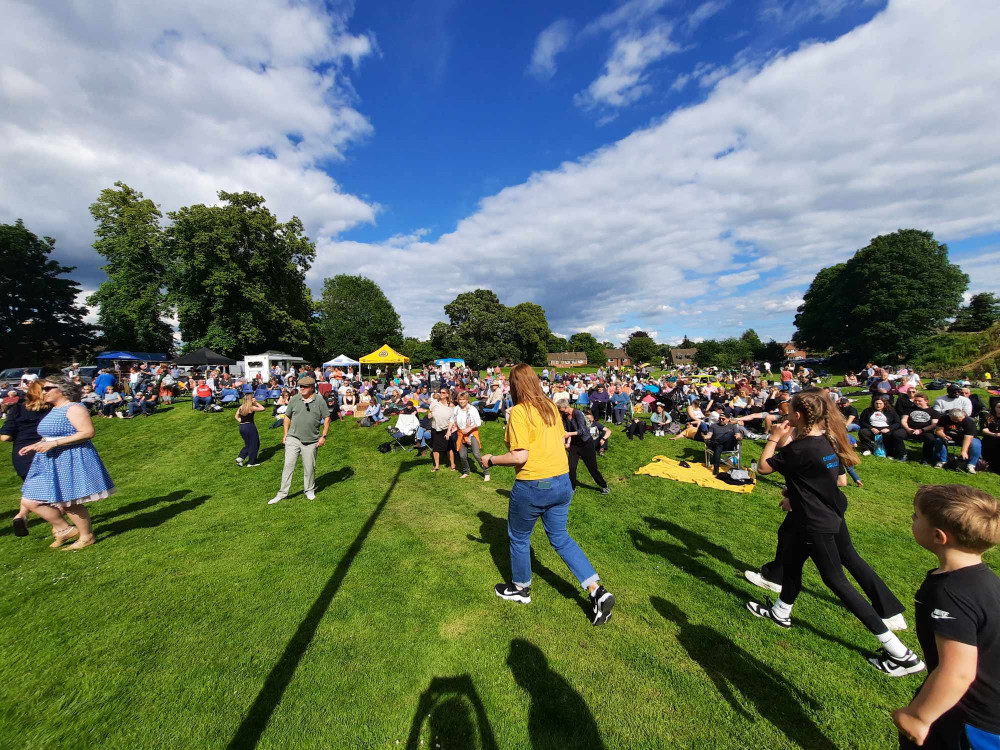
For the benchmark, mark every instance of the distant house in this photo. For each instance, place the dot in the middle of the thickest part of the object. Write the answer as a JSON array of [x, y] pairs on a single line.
[[617, 358], [567, 359], [683, 356], [793, 352]]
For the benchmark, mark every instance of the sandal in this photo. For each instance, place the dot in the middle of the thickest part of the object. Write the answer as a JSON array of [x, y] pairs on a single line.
[[20, 526], [71, 532], [80, 544]]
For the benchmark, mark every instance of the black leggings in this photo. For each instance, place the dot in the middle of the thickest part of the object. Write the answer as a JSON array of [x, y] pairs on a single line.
[[588, 453], [830, 553], [251, 442], [893, 441]]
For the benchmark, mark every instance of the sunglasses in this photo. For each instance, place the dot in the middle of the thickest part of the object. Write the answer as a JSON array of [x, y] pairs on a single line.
[[48, 388]]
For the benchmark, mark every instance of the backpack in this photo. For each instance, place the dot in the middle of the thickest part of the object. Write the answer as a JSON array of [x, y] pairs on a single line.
[[385, 448]]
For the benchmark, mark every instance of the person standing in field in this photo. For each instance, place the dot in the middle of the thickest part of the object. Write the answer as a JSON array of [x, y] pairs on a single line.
[[248, 431], [306, 423], [542, 489], [21, 428]]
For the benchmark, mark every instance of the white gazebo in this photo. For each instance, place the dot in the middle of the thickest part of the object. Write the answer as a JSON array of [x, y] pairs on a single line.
[[342, 361]]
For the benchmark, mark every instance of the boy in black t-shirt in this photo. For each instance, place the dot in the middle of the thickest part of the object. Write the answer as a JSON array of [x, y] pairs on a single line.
[[957, 609]]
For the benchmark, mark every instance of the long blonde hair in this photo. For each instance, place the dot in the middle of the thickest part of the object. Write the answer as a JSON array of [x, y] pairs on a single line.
[[818, 409], [247, 406], [34, 397], [525, 388]]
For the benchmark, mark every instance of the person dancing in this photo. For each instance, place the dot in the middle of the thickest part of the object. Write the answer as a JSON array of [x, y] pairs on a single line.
[[542, 489], [248, 431], [811, 464], [66, 471], [21, 428]]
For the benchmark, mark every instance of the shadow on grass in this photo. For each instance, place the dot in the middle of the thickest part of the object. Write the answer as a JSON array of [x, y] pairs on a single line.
[[268, 452], [333, 477], [445, 706], [734, 671], [687, 559], [493, 532], [250, 730], [558, 717], [147, 520]]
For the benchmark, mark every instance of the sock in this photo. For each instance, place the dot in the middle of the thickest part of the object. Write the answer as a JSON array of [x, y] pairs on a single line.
[[782, 610], [890, 641]]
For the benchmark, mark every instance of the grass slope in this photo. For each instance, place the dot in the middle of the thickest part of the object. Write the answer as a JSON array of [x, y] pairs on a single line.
[[205, 618]]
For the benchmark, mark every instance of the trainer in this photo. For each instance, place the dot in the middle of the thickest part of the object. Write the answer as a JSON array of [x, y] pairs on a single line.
[[306, 424]]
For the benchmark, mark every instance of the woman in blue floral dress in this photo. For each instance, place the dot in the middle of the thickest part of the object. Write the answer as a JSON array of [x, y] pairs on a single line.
[[66, 471]]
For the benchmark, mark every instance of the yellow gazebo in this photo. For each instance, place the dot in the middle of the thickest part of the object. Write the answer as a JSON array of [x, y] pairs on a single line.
[[384, 355]]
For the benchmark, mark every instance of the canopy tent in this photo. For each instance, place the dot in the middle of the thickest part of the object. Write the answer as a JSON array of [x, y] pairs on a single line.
[[342, 361], [134, 356], [384, 355], [203, 356]]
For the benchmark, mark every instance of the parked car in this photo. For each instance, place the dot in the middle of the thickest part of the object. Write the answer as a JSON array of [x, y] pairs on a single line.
[[14, 374]]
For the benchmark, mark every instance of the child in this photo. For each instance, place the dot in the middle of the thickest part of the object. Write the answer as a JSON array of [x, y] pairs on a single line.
[[958, 706], [811, 464]]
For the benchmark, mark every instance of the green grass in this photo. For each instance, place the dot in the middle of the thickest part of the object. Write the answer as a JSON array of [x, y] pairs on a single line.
[[205, 618]]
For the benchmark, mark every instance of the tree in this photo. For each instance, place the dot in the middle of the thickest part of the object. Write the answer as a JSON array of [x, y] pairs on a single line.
[[982, 311], [772, 352], [237, 276], [557, 343], [531, 332], [355, 317], [753, 343], [132, 303], [483, 329], [708, 353], [40, 321], [640, 347], [881, 302], [419, 352], [687, 343], [585, 342]]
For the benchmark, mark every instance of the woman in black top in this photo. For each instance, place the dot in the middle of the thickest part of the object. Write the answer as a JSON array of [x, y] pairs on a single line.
[[248, 431], [991, 438], [21, 429], [882, 419]]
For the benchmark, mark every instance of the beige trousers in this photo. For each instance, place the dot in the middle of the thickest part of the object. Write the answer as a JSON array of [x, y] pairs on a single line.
[[293, 449]]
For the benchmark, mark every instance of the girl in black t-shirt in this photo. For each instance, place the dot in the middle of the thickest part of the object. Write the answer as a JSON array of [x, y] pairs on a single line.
[[811, 464]]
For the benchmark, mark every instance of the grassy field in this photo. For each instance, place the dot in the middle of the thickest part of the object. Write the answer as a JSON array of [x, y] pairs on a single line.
[[205, 618]]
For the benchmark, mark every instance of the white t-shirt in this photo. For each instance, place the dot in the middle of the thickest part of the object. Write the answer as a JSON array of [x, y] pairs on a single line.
[[467, 419], [878, 419]]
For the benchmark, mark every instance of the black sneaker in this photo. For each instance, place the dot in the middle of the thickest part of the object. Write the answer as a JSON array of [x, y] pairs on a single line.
[[766, 611], [602, 601], [894, 666], [605, 490], [512, 593]]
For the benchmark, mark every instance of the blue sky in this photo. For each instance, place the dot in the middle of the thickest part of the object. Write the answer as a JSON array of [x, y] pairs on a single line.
[[681, 166]]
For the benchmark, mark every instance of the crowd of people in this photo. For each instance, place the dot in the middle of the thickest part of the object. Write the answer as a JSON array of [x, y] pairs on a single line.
[[810, 435]]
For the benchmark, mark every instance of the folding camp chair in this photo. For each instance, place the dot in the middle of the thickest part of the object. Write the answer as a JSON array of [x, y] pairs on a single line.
[[229, 397], [274, 394], [261, 395], [404, 433], [246, 389], [733, 458]]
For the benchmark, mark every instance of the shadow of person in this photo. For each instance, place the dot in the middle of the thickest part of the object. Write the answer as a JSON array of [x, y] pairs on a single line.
[[268, 452], [558, 717], [743, 679], [681, 557], [147, 520], [445, 706], [504, 493], [333, 477], [493, 532]]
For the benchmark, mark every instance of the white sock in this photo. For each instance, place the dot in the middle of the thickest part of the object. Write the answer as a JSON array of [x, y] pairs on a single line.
[[782, 610], [890, 641]]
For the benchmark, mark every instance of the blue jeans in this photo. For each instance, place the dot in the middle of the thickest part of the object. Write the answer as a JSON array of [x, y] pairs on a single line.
[[548, 499], [975, 451], [421, 437], [200, 402], [853, 427]]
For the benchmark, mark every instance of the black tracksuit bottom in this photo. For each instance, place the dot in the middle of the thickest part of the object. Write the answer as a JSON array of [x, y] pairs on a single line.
[[586, 450]]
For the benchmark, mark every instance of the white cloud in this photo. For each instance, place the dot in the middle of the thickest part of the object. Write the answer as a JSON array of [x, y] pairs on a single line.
[[553, 40], [803, 161], [705, 11], [623, 80], [789, 14], [179, 100]]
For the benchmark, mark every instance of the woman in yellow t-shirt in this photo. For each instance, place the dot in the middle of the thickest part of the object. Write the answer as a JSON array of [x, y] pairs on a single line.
[[542, 489]]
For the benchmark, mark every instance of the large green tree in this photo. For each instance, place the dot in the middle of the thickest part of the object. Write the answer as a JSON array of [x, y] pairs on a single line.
[[585, 342], [880, 303], [237, 276], [482, 328], [132, 303], [531, 332], [982, 311], [40, 322], [355, 317], [419, 352], [640, 347]]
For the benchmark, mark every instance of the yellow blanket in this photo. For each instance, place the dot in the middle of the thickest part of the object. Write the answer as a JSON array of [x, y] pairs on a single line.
[[668, 468]]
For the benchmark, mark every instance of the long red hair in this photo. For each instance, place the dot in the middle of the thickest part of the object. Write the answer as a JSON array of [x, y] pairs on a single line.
[[525, 388]]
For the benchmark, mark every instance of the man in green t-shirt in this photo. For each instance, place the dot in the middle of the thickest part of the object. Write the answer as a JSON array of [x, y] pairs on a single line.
[[306, 423]]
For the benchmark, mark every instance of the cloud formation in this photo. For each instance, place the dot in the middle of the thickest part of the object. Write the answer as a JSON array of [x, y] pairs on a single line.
[[179, 101], [553, 40], [782, 170]]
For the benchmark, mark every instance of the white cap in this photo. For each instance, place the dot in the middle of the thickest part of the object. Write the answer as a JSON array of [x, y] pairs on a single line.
[[28, 377]]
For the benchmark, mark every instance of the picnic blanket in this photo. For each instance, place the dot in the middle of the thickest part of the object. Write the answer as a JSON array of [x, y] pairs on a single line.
[[697, 473]]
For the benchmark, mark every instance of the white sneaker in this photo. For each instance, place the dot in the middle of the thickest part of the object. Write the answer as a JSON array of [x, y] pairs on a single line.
[[896, 622], [866, 453], [939, 465], [274, 500], [758, 580], [310, 496], [971, 468], [486, 477], [239, 461]]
